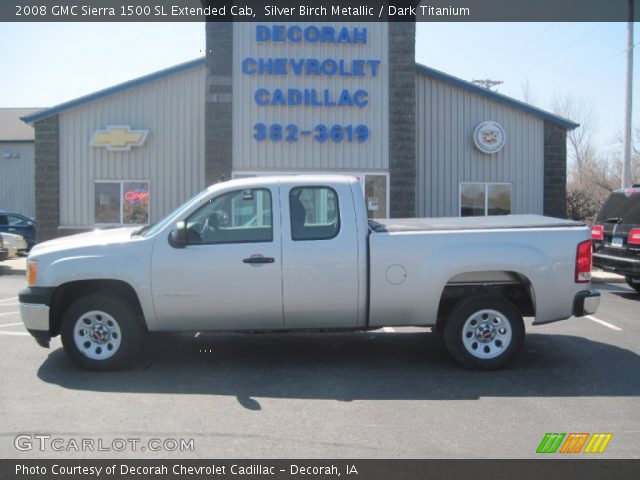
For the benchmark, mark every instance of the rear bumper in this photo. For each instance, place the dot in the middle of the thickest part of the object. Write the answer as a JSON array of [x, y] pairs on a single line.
[[34, 311], [629, 267], [586, 302]]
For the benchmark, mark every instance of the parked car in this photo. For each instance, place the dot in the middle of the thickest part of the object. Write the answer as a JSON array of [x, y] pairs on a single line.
[[616, 235], [4, 252], [20, 225], [15, 244], [298, 253]]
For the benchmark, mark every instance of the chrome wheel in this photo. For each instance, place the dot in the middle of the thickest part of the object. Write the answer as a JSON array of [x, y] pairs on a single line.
[[486, 334], [97, 335]]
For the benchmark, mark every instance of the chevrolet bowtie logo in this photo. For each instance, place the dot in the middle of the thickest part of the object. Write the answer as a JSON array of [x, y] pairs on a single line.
[[118, 138]]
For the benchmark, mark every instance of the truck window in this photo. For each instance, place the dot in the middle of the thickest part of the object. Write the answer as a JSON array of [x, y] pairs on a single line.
[[242, 216], [314, 213]]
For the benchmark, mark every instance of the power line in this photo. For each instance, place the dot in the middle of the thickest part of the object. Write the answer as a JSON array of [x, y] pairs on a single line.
[[590, 69], [568, 45], [523, 58], [516, 54]]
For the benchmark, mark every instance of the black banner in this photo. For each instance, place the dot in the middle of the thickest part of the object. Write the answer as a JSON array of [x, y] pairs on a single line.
[[322, 469], [316, 11]]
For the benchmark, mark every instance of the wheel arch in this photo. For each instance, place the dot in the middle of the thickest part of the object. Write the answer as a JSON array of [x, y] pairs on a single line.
[[514, 286], [67, 293]]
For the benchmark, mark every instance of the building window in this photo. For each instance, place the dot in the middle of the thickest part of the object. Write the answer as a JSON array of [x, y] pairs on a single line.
[[481, 199], [375, 195], [122, 203], [314, 213]]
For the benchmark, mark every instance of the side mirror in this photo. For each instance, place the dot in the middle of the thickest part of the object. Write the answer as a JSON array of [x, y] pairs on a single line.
[[178, 236], [30, 224]]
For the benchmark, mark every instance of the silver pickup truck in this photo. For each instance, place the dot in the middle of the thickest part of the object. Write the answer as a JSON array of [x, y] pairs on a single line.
[[298, 253]]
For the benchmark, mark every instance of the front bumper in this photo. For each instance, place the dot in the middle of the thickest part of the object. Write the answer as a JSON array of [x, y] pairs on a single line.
[[36, 320], [586, 302], [34, 311]]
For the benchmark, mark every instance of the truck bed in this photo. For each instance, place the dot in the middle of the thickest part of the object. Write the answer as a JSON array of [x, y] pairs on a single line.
[[497, 222]]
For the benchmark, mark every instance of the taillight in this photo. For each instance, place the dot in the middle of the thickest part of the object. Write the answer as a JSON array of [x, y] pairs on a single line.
[[634, 236], [583, 262], [597, 232]]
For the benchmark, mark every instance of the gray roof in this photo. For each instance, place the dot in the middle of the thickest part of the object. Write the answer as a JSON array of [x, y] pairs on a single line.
[[12, 129]]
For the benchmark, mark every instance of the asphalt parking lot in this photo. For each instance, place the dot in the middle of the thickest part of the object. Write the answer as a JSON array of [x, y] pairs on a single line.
[[386, 394]]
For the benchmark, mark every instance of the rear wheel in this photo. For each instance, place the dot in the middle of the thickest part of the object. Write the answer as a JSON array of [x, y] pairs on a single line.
[[634, 282], [483, 332], [101, 331]]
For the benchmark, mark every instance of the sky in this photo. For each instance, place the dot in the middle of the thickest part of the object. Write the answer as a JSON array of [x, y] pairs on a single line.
[[44, 64]]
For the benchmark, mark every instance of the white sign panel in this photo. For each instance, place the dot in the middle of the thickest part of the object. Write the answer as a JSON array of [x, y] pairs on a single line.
[[310, 96]]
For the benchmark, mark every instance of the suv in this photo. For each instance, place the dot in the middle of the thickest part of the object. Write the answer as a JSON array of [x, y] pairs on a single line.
[[616, 235], [19, 225]]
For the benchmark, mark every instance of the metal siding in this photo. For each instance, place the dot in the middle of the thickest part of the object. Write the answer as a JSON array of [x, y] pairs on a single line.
[[306, 153], [17, 179], [172, 158], [446, 117]]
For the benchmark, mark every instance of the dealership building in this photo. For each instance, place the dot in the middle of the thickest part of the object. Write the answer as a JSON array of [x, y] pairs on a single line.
[[297, 98]]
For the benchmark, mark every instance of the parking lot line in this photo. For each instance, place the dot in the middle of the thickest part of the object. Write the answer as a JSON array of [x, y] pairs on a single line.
[[9, 304], [10, 324], [15, 333], [8, 313], [7, 299], [602, 322]]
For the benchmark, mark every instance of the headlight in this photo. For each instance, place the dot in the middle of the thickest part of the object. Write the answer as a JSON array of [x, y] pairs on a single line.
[[32, 272]]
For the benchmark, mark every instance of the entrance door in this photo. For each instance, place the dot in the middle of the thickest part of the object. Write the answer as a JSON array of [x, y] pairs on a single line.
[[229, 276]]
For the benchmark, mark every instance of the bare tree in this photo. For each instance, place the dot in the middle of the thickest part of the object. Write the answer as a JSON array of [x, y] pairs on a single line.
[[591, 175], [528, 95], [581, 150]]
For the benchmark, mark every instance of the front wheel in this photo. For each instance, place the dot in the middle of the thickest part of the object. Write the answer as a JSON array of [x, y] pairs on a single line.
[[483, 332], [633, 283], [101, 331]]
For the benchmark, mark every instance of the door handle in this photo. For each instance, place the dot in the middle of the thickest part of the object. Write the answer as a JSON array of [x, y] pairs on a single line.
[[258, 259]]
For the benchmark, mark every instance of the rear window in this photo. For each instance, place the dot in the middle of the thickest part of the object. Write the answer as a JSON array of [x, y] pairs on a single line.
[[623, 204]]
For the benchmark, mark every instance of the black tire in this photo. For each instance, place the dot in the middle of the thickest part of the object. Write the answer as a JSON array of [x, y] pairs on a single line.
[[508, 320], [119, 345], [633, 283]]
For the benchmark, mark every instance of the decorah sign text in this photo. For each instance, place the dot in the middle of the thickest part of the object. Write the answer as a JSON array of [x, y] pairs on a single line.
[[301, 67]]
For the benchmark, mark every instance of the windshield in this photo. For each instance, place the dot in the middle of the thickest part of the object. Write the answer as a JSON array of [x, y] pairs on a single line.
[[150, 230]]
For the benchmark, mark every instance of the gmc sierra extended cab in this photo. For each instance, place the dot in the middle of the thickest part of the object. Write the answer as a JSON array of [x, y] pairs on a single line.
[[298, 253]]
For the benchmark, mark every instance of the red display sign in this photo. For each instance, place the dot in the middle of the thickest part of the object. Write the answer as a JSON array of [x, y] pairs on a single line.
[[136, 196]]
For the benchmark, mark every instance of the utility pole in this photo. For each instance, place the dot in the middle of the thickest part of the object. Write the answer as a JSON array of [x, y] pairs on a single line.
[[488, 84], [626, 163]]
